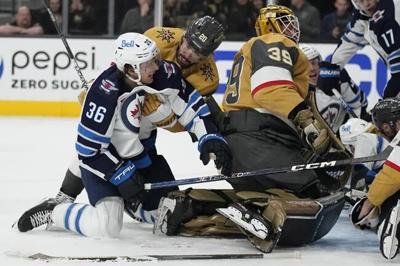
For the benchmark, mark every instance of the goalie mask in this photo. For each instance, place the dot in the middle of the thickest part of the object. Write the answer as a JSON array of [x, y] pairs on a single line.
[[136, 50], [386, 111], [278, 19]]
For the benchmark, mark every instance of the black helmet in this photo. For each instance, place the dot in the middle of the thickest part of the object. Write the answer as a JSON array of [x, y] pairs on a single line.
[[204, 35], [386, 111]]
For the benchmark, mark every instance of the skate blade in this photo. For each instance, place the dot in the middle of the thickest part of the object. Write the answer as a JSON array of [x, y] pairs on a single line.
[[390, 240], [227, 212]]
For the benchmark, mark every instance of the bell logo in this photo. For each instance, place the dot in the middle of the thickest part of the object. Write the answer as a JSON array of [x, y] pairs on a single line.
[[1, 66]]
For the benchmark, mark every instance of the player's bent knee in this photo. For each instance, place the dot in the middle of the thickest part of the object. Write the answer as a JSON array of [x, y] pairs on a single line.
[[109, 216]]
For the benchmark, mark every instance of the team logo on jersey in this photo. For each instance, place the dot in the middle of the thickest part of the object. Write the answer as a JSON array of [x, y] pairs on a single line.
[[1, 66], [131, 113], [330, 113], [207, 72], [135, 112], [378, 15], [107, 86], [169, 69], [165, 35]]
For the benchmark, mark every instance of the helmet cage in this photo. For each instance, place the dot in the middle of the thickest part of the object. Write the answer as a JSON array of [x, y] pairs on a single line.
[[278, 19]]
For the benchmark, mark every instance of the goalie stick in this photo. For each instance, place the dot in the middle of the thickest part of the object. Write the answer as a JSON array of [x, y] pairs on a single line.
[[69, 51]]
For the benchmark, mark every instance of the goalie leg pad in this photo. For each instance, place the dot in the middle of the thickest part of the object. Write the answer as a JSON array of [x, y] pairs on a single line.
[[180, 207], [306, 221]]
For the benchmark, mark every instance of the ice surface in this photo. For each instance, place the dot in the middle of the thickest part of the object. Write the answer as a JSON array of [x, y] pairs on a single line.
[[34, 154]]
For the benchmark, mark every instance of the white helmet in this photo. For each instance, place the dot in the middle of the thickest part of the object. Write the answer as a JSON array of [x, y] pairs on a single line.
[[310, 52], [134, 49], [351, 129]]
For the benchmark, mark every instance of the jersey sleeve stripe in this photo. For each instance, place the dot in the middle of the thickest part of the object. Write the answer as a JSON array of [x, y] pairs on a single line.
[[393, 161], [346, 39], [91, 135], [393, 55], [84, 151], [273, 83], [269, 73]]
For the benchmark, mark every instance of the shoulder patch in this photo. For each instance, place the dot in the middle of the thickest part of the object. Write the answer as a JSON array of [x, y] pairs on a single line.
[[207, 72], [165, 35], [107, 86], [131, 113], [169, 69]]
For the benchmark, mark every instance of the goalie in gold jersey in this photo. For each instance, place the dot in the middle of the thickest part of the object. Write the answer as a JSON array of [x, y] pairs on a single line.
[[266, 112]]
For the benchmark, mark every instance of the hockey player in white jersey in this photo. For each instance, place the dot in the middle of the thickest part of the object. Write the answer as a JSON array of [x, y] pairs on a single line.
[[360, 137], [377, 23], [330, 107], [115, 143], [382, 204]]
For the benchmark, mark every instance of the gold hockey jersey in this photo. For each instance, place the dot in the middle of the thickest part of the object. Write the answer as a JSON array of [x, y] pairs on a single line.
[[387, 181], [269, 74], [203, 76]]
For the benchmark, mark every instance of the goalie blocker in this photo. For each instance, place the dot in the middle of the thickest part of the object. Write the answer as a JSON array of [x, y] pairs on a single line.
[[277, 216]]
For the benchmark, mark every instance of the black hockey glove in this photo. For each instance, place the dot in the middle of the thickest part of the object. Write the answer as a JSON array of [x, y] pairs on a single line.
[[130, 182], [329, 77], [216, 144]]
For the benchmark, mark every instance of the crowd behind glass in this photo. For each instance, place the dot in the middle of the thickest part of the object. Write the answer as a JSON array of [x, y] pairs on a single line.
[[321, 21]]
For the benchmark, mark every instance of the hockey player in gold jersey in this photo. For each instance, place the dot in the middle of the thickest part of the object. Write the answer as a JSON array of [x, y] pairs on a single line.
[[192, 49], [266, 118], [382, 204]]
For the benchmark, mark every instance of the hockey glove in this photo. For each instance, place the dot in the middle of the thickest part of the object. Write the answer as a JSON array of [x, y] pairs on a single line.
[[329, 77], [368, 221], [314, 133], [217, 145], [160, 113], [130, 182]]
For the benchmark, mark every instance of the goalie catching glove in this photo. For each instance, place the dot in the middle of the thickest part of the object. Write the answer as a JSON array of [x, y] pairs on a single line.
[[314, 133], [159, 112]]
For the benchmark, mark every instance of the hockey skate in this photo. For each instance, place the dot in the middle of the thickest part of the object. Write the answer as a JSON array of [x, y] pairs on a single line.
[[259, 231], [37, 215], [171, 214], [248, 220], [390, 234]]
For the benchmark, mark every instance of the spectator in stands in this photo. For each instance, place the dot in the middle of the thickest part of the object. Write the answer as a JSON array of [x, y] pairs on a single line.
[[334, 24], [256, 6], [219, 9], [139, 19], [44, 18], [22, 24], [240, 24], [175, 14], [309, 19], [82, 18]]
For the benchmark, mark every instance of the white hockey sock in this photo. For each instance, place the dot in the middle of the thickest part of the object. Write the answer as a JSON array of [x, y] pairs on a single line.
[[103, 220]]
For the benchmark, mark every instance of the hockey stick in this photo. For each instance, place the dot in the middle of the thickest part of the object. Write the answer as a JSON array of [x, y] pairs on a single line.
[[69, 51], [268, 171], [48, 258], [343, 103]]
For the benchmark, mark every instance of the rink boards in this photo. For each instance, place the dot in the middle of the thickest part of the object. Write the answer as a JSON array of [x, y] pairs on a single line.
[[38, 78]]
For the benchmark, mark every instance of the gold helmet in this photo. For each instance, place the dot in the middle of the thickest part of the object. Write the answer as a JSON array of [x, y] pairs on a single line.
[[278, 19]]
